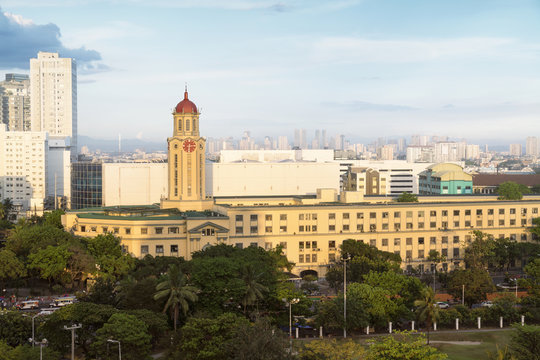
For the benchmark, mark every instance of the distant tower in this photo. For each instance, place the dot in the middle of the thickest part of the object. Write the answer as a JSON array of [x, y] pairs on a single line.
[[15, 102], [119, 143]]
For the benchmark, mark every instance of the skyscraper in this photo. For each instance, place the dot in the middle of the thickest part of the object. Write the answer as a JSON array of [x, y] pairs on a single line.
[[515, 149], [15, 102], [531, 146], [53, 86]]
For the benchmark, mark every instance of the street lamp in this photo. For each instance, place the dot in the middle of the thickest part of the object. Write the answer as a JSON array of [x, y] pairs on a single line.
[[41, 343], [33, 327], [345, 259], [289, 304], [119, 347]]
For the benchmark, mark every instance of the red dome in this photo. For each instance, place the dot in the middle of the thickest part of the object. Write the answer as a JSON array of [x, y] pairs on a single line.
[[186, 106]]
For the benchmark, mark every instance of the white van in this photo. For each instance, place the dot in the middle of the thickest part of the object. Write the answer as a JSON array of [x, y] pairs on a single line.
[[63, 301]]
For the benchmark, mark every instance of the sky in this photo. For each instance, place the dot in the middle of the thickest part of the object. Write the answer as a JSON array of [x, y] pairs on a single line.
[[364, 68]]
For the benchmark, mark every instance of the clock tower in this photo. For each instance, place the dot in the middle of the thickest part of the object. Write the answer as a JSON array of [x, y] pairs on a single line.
[[186, 153]]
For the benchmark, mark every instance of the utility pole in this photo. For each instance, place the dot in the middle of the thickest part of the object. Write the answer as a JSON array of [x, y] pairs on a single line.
[[463, 294], [73, 328], [345, 295]]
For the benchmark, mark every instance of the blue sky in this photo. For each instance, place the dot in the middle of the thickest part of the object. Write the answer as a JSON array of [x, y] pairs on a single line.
[[366, 68]]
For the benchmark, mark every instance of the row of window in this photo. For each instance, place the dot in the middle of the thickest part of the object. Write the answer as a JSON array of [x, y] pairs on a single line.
[[143, 230]]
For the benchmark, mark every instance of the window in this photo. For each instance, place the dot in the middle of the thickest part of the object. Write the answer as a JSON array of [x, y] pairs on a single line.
[[409, 241], [456, 224], [467, 223], [239, 218], [174, 248], [409, 254], [397, 242], [239, 229], [253, 217], [173, 230], [313, 257], [433, 224], [253, 244], [300, 216], [158, 230], [283, 228], [313, 227], [331, 257], [313, 216], [104, 229], [331, 216], [456, 252], [420, 241], [301, 258], [445, 213], [420, 225], [479, 223], [128, 231], [490, 222], [523, 222], [409, 226], [501, 222], [359, 215], [331, 244], [268, 217], [283, 244], [433, 213], [83, 228], [268, 229], [523, 211], [308, 258], [420, 254], [144, 231], [456, 212], [456, 239], [467, 212], [144, 249], [444, 239], [512, 222], [253, 229], [331, 227], [524, 237], [159, 249], [420, 214], [373, 242], [490, 211], [360, 227], [397, 214], [345, 216], [384, 242], [239, 245], [478, 211], [116, 230], [409, 214], [501, 211], [372, 227], [385, 226], [345, 227], [535, 210], [283, 217], [385, 215], [301, 228], [512, 211], [372, 215], [397, 227], [444, 252]]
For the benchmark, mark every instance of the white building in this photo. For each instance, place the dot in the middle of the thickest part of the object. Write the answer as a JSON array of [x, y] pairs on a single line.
[[531, 146], [385, 152], [316, 155], [419, 153], [15, 102], [515, 150], [288, 177], [59, 170], [23, 167], [53, 86]]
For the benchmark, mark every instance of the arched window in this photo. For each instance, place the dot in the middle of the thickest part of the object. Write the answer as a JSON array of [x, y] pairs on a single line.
[[179, 125], [187, 125]]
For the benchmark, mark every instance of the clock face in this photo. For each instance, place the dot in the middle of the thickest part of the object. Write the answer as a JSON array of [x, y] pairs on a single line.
[[189, 146]]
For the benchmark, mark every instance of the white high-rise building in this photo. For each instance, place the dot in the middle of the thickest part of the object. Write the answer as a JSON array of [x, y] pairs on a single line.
[[531, 146], [515, 150], [53, 97], [15, 102], [23, 167]]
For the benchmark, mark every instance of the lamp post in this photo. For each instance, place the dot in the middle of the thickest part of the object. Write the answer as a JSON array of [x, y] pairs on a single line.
[[33, 327], [345, 295], [289, 304], [119, 347], [41, 343], [463, 294], [72, 329]]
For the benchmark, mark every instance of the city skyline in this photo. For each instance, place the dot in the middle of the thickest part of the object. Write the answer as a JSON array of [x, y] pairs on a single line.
[[271, 67]]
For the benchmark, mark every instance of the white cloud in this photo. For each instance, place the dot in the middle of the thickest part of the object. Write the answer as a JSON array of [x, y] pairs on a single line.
[[362, 50]]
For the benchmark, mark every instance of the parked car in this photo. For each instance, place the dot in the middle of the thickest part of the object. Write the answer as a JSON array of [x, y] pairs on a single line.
[[62, 301], [442, 305], [486, 304]]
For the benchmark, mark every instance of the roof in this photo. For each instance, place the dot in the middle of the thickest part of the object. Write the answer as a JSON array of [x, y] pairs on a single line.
[[186, 106], [497, 179], [208, 223]]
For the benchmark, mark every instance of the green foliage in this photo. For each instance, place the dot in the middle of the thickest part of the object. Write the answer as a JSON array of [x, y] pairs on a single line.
[[51, 262], [26, 352], [332, 350], [328, 315], [403, 289], [150, 266], [137, 294], [510, 190], [505, 251], [254, 290], [26, 239], [532, 281], [92, 316], [130, 331], [407, 197], [173, 287], [535, 229], [480, 251], [525, 343], [107, 252], [14, 328], [101, 292], [10, 266], [404, 346], [209, 339], [259, 341], [157, 323], [427, 309], [477, 283]]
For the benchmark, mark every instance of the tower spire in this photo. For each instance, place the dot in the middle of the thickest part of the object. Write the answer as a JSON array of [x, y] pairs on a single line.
[[185, 92]]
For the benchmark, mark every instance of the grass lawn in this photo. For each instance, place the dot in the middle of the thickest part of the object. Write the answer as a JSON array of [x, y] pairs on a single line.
[[489, 341]]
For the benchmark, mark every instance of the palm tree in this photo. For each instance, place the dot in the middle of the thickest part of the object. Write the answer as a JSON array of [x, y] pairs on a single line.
[[427, 308], [254, 290], [173, 286]]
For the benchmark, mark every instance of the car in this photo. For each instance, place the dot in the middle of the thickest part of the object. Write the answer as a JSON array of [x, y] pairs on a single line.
[[62, 301], [27, 305], [442, 305], [486, 304]]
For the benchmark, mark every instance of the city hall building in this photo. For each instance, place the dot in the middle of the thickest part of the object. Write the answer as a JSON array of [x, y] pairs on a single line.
[[310, 229]]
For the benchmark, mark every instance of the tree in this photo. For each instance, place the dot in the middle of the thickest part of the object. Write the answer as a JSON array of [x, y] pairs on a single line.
[[479, 252], [407, 197], [79, 264], [157, 323], [500, 354], [535, 229], [403, 347], [259, 341], [477, 283], [525, 342], [332, 350], [14, 328], [403, 289], [110, 260], [173, 286], [435, 258], [532, 281], [504, 252], [10, 266], [510, 190], [130, 331], [427, 309], [51, 262], [209, 339], [26, 238], [254, 290]]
